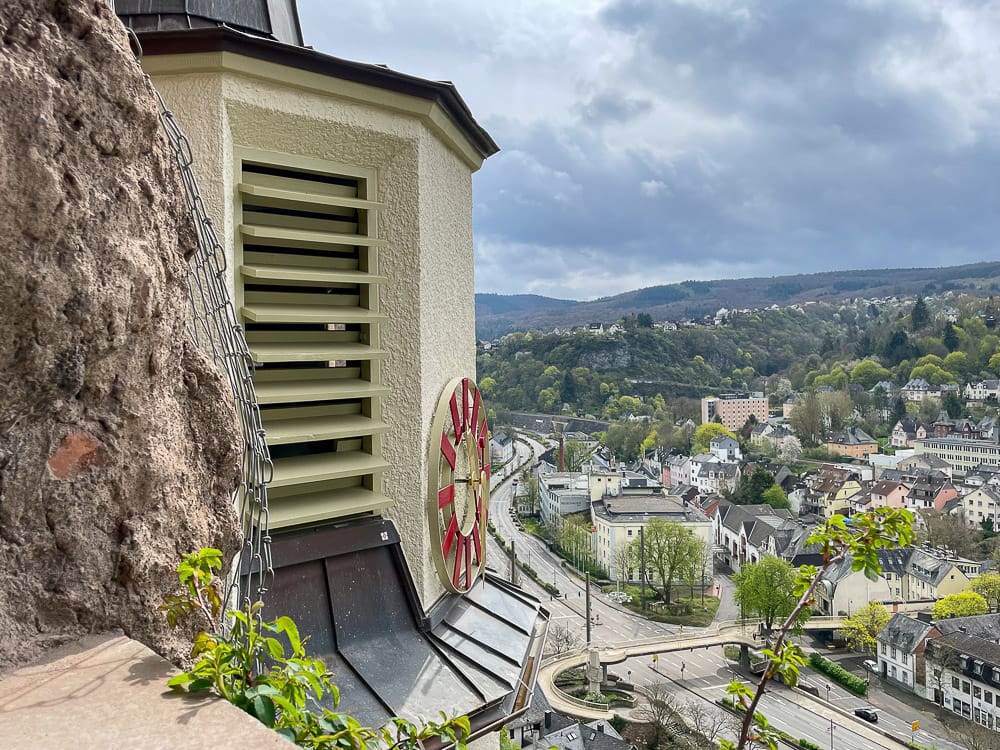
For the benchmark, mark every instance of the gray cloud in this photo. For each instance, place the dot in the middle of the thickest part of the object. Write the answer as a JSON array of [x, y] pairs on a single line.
[[649, 142]]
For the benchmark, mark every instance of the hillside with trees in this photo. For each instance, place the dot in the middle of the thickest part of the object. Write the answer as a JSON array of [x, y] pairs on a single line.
[[646, 379]]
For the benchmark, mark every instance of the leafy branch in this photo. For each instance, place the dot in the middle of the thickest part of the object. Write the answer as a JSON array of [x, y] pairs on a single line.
[[838, 539]]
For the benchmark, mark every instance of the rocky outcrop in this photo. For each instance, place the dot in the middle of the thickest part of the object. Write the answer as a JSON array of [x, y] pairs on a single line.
[[118, 443]]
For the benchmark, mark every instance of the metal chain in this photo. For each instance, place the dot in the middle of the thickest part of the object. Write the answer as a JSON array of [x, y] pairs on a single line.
[[215, 328]]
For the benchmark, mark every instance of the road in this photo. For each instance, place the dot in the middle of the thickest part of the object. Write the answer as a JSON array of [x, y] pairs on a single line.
[[610, 624], [706, 671]]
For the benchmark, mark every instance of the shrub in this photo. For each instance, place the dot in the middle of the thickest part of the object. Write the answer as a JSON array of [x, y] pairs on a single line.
[[807, 745], [838, 674]]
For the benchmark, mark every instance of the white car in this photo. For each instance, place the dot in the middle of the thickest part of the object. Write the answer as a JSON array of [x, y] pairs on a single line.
[[870, 665]]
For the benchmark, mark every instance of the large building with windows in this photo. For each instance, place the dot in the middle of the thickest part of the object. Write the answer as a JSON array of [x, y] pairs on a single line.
[[734, 409], [342, 195], [962, 455]]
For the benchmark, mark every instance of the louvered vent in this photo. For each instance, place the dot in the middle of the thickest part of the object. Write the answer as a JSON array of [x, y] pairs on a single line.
[[309, 301]]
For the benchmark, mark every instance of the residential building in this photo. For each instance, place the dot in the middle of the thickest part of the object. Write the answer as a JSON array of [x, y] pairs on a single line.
[[734, 409], [930, 490], [888, 494], [963, 676], [924, 462], [910, 574], [561, 493], [983, 390], [617, 520], [853, 442], [710, 475], [918, 389], [746, 533], [900, 651], [828, 491], [341, 193], [962, 455], [725, 448], [501, 447], [771, 436], [982, 505], [679, 468], [906, 431]]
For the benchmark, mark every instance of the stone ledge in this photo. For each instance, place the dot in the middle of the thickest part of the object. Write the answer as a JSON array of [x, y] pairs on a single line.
[[110, 691]]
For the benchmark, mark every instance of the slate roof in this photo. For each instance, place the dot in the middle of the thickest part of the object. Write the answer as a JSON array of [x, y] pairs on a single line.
[[904, 632], [981, 626], [585, 737], [852, 436], [980, 652]]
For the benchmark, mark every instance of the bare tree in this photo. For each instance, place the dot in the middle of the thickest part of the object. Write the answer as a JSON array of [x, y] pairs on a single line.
[[624, 561], [708, 720], [661, 711], [974, 736], [561, 639]]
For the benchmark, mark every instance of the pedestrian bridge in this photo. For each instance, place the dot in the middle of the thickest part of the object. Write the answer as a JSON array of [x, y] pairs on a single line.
[[738, 632]]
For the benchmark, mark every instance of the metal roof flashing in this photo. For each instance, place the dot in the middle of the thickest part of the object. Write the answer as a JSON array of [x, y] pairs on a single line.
[[223, 39], [349, 589]]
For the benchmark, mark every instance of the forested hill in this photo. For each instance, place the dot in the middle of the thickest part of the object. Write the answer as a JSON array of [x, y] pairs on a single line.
[[948, 338], [499, 314]]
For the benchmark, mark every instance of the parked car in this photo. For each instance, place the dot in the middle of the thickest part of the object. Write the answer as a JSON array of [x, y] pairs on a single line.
[[871, 665], [867, 713]]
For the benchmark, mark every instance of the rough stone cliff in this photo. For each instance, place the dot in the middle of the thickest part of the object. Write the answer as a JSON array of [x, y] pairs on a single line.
[[118, 443]]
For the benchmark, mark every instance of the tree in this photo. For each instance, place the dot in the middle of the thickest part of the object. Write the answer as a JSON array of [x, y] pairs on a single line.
[[752, 491], [528, 486], [766, 589], [790, 449], [807, 419], [868, 372], [919, 315], [704, 434], [776, 498], [861, 628], [561, 640], [973, 736], [670, 548], [659, 710], [949, 337], [624, 560], [962, 604], [988, 587], [951, 531], [707, 719], [575, 453]]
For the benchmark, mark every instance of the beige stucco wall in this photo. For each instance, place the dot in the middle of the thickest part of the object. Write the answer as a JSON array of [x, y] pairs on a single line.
[[426, 184]]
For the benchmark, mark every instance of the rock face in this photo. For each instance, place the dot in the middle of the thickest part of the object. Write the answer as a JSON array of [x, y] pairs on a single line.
[[118, 443]]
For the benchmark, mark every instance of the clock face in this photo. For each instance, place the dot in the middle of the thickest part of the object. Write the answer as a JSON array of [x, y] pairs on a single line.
[[458, 494]]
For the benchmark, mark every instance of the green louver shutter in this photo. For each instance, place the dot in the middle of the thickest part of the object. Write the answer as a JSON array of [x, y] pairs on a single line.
[[308, 293]]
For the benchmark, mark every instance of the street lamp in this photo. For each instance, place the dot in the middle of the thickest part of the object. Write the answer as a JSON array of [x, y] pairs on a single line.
[[831, 717]]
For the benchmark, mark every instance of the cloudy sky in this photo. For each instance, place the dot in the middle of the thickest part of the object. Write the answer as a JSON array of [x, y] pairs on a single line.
[[648, 142]]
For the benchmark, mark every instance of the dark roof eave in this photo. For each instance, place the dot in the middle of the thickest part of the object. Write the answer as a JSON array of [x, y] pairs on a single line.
[[220, 39]]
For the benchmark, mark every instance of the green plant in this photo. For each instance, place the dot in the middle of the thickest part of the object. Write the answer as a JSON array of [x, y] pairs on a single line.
[[262, 668], [807, 745], [838, 674]]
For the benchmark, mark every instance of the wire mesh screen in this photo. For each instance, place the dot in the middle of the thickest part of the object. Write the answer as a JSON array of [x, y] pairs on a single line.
[[215, 328]]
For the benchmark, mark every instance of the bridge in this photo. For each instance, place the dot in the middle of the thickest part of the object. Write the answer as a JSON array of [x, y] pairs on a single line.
[[739, 632]]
